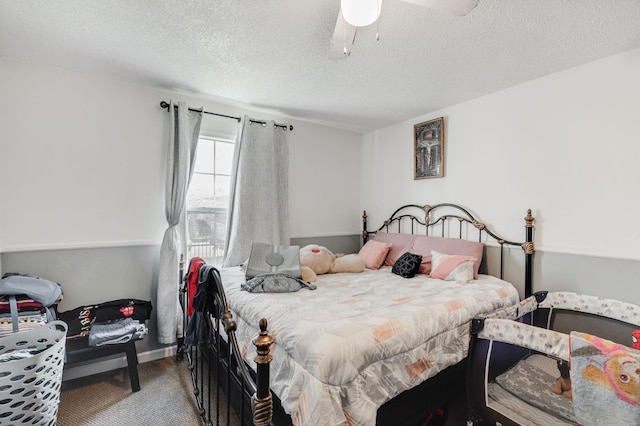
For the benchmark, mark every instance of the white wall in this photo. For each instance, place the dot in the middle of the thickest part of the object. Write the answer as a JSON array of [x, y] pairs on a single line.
[[325, 182], [565, 145], [83, 157]]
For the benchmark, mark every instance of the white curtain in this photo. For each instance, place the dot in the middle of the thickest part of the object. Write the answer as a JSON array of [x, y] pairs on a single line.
[[183, 140], [259, 193]]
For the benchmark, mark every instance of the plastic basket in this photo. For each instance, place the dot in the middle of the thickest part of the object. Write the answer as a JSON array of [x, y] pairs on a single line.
[[30, 387]]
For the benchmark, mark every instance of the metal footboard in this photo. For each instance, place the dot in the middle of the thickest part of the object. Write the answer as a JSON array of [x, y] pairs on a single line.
[[225, 389]]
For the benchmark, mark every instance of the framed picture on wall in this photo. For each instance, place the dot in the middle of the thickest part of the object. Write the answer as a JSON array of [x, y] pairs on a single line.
[[429, 149]]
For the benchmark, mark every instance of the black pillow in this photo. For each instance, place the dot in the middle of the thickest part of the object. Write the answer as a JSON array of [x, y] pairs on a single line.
[[407, 265]]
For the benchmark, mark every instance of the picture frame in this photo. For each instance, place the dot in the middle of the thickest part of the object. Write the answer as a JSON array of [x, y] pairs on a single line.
[[428, 149]]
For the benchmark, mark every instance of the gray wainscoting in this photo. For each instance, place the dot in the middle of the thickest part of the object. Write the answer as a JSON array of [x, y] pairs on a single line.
[[598, 276], [94, 275], [346, 244], [552, 271]]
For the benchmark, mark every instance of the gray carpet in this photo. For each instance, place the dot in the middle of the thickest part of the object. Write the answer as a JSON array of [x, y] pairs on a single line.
[[166, 398]]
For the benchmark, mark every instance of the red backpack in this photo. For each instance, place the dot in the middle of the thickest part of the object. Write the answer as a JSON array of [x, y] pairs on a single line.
[[191, 280]]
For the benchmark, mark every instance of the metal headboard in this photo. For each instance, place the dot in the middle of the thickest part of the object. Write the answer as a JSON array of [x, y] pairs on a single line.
[[430, 218]]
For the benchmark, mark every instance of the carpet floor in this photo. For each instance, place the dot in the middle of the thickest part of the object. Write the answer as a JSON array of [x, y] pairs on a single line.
[[166, 398]]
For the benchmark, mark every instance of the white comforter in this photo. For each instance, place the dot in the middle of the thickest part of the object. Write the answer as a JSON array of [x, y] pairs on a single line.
[[360, 339]]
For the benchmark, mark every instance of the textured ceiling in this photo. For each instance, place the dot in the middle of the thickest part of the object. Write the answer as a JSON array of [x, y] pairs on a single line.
[[272, 54]]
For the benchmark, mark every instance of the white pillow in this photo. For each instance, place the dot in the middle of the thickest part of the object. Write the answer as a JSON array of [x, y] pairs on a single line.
[[452, 267]]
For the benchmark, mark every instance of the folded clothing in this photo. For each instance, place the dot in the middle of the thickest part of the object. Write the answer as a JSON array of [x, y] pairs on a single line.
[[39, 289], [20, 354], [123, 308], [24, 313], [23, 302], [24, 322], [116, 332], [79, 320]]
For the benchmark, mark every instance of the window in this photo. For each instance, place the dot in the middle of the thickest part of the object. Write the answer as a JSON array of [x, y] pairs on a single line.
[[208, 200]]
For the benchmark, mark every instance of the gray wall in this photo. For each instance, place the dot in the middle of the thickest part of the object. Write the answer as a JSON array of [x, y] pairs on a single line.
[[346, 244], [597, 276], [94, 275]]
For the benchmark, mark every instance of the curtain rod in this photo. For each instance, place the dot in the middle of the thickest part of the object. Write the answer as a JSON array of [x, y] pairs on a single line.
[[165, 105]]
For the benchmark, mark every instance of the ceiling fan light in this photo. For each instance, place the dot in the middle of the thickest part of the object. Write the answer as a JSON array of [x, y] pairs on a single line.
[[360, 13]]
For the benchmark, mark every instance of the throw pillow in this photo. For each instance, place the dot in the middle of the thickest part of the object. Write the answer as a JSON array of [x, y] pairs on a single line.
[[452, 267], [423, 245], [400, 244], [373, 253], [407, 265]]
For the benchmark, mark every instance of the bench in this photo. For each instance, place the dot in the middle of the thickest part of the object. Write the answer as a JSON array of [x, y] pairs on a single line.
[[79, 351]]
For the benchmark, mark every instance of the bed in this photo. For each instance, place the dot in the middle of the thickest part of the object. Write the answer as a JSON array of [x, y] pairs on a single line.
[[371, 347]]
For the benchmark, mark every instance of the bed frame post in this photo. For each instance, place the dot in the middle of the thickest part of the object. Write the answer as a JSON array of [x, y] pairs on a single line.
[[365, 233], [261, 402], [529, 249]]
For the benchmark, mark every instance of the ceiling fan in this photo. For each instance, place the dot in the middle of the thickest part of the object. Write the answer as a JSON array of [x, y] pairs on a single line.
[[360, 13]]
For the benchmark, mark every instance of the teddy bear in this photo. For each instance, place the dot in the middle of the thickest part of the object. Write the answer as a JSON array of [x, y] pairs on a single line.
[[562, 386], [317, 260]]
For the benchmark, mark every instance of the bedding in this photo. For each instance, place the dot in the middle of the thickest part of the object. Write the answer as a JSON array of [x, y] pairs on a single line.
[[520, 411], [606, 381], [531, 380], [423, 245], [359, 340]]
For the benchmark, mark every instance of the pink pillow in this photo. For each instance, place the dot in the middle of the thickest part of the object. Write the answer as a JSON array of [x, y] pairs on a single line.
[[452, 267], [400, 244], [423, 245], [373, 253]]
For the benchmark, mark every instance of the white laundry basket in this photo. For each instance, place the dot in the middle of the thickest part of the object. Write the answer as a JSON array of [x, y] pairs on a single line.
[[30, 387]]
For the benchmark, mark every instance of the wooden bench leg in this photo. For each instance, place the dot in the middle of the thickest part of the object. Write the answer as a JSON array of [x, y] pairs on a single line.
[[180, 349], [132, 363]]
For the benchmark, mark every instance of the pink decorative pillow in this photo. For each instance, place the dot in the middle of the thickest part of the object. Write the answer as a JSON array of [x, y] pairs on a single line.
[[423, 245], [400, 244], [373, 253], [452, 267]]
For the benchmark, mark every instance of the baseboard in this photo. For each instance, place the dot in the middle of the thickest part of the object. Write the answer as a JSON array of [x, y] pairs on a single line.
[[109, 364]]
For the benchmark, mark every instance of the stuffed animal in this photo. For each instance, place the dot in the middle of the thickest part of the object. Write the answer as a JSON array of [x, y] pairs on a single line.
[[562, 386], [317, 260], [635, 339]]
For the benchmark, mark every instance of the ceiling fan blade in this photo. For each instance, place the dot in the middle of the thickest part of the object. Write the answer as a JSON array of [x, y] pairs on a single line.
[[457, 7], [342, 39]]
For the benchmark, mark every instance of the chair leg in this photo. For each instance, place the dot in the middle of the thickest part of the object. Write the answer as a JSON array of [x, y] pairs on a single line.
[[132, 363]]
